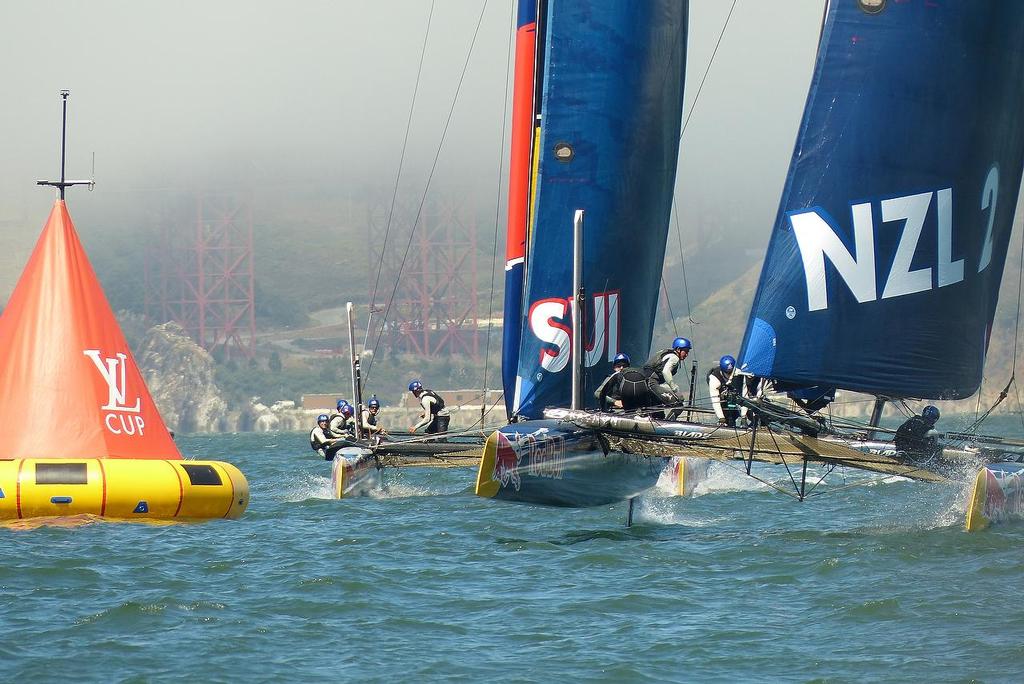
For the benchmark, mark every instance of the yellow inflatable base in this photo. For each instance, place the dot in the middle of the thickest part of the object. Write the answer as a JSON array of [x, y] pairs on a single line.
[[129, 489]]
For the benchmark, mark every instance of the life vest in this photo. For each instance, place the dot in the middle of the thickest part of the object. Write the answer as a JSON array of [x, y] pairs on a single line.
[[727, 384], [438, 401], [657, 361], [313, 444]]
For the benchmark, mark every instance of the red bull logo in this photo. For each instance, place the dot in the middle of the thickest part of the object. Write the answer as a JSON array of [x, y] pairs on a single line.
[[506, 464], [545, 457], [536, 456], [995, 502]]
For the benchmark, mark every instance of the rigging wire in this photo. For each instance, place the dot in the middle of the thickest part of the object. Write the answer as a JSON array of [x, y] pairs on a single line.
[[401, 164], [497, 201], [668, 303], [682, 263], [979, 419], [426, 188], [675, 208], [711, 61], [1016, 334]]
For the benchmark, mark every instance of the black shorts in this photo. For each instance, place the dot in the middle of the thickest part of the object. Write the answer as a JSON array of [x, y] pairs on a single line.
[[438, 424]]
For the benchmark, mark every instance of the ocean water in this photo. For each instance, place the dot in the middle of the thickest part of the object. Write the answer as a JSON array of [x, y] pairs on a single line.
[[873, 581]]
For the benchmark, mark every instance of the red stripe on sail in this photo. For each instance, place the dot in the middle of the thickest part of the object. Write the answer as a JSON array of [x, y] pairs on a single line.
[[522, 142]]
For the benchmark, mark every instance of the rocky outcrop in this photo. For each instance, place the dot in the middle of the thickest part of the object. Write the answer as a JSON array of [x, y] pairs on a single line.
[[281, 416], [180, 376]]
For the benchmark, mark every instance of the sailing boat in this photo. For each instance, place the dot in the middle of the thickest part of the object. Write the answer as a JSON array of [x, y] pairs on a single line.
[[597, 108], [909, 131], [81, 434], [883, 268], [357, 468]]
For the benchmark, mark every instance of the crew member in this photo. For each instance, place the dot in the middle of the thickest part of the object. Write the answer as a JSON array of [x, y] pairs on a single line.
[[917, 437], [341, 403], [342, 424], [609, 394], [435, 416], [321, 439], [369, 418], [662, 367], [725, 383]]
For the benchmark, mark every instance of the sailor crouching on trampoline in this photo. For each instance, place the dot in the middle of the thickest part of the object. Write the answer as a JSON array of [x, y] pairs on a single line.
[[609, 394], [662, 368]]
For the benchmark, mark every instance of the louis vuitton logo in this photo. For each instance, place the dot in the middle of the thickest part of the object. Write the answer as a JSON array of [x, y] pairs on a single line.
[[113, 371]]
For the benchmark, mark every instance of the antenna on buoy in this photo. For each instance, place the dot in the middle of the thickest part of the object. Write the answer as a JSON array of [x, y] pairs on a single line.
[[62, 183]]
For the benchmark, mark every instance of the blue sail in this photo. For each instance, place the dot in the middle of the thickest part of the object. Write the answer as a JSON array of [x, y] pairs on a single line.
[[611, 107], [883, 267]]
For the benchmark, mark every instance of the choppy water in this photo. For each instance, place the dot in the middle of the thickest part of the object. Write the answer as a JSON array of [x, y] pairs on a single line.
[[871, 582]]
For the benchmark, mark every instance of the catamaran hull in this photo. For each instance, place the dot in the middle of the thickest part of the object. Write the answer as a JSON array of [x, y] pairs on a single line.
[[127, 489], [354, 472], [685, 473], [547, 463], [956, 463], [997, 495]]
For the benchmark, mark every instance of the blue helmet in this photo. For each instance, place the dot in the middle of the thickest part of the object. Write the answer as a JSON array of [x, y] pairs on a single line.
[[930, 413], [682, 343], [341, 404], [727, 363], [373, 403], [620, 358], [323, 418], [415, 386], [346, 410]]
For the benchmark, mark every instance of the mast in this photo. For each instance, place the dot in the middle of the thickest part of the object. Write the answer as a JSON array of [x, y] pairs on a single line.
[[63, 183], [876, 415], [357, 390], [693, 386], [579, 301]]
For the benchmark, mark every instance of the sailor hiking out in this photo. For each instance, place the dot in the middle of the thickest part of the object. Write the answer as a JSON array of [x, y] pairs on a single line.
[[435, 417], [662, 368], [322, 440]]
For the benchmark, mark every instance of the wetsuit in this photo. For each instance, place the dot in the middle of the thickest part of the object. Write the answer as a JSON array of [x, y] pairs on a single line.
[[634, 387], [660, 370], [610, 391], [913, 440]]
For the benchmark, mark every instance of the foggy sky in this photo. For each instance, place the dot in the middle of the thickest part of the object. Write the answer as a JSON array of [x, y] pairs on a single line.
[[292, 95]]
